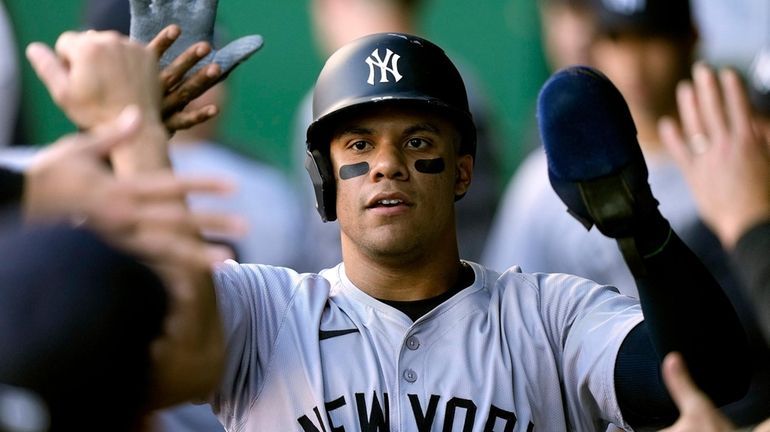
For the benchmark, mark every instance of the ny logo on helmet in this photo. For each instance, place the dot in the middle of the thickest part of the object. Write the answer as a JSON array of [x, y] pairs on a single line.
[[375, 60]]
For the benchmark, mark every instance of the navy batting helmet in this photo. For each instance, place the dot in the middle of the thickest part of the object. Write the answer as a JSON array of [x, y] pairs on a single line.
[[377, 69], [671, 18]]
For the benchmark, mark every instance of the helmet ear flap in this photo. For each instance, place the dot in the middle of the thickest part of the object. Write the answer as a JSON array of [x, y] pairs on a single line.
[[320, 170]]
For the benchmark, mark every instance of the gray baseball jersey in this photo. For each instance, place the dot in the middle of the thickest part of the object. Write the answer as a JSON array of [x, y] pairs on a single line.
[[512, 352]]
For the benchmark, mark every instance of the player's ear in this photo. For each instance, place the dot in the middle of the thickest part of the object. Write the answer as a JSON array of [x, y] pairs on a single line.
[[463, 174]]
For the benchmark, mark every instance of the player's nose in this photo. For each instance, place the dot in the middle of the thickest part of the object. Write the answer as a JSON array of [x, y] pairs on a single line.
[[389, 163]]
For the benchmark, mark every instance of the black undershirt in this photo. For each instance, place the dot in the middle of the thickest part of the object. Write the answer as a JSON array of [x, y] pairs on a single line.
[[417, 308]]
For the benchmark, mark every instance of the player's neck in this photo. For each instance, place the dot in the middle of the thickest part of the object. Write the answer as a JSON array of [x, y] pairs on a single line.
[[415, 278]]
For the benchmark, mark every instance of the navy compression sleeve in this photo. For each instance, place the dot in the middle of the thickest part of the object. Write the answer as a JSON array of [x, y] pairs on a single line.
[[685, 310]]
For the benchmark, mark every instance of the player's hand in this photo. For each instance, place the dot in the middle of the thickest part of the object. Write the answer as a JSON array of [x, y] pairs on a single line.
[[179, 88], [696, 412], [724, 159], [149, 17], [92, 76]]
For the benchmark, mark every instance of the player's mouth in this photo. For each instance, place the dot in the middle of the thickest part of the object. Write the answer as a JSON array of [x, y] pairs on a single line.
[[389, 204]]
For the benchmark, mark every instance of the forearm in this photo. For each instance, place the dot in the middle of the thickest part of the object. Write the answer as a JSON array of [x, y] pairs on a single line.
[[188, 360], [686, 310]]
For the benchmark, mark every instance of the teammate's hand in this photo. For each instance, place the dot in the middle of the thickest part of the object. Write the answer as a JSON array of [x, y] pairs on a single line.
[[724, 159], [696, 412], [177, 87], [149, 17], [70, 180], [93, 76]]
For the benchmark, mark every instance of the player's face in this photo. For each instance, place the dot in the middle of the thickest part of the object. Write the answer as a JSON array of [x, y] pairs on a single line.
[[567, 34], [645, 69], [398, 172]]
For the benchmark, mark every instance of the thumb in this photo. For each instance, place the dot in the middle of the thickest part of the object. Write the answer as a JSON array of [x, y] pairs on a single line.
[[687, 396], [49, 68], [108, 136], [237, 52]]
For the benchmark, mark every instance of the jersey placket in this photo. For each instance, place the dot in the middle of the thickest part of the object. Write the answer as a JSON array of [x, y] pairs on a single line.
[[411, 373]]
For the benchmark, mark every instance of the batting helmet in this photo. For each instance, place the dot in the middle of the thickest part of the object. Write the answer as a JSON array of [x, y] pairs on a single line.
[[669, 18], [377, 69]]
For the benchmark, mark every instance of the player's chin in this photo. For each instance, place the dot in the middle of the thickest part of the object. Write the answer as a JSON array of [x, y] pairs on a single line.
[[393, 241]]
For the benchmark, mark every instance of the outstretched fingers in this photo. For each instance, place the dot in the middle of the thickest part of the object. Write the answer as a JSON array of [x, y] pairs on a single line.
[[163, 40], [189, 89], [163, 186], [49, 68], [672, 138], [221, 224], [173, 74], [689, 111], [738, 107], [188, 118], [710, 103]]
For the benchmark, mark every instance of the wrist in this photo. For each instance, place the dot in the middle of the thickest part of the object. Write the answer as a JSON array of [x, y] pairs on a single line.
[[729, 232], [146, 151]]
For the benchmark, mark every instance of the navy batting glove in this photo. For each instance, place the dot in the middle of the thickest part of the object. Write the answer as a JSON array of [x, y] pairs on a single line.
[[595, 163]]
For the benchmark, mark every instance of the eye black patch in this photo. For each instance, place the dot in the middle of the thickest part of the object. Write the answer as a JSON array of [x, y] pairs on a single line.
[[355, 170], [430, 166]]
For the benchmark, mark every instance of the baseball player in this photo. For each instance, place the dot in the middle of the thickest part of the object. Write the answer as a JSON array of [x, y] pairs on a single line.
[[403, 334]]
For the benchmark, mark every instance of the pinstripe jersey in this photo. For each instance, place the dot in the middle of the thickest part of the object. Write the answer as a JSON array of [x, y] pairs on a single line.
[[511, 352]]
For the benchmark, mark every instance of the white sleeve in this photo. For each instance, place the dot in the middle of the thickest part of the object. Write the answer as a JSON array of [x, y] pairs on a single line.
[[587, 323], [10, 79], [252, 301]]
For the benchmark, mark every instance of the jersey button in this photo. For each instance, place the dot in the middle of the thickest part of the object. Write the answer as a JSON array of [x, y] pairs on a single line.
[[410, 375], [413, 343]]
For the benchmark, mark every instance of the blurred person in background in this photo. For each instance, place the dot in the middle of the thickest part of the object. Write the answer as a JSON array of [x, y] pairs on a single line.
[[567, 29]]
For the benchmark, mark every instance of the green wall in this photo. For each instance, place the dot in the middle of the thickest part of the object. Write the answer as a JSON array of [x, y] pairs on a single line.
[[498, 38]]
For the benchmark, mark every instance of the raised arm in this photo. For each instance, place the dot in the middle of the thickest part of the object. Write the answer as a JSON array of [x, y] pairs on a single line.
[[597, 168], [726, 161], [81, 76]]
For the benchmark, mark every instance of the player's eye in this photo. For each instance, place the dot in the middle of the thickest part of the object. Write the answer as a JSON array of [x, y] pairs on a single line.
[[417, 143], [359, 145]]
